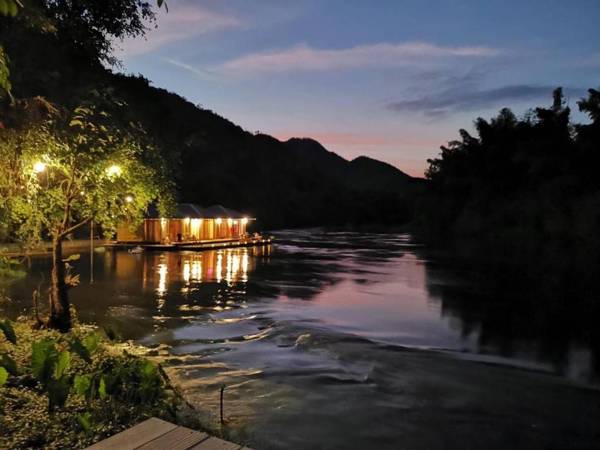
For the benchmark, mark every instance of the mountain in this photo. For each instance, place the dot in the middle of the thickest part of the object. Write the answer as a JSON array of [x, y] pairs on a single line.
[[293, 183], [362, 173]]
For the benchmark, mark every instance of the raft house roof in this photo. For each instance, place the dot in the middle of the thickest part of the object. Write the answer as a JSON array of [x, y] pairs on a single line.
[[194, 211]]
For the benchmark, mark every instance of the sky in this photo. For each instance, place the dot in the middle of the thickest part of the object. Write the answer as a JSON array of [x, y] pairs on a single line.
[[389, 79]]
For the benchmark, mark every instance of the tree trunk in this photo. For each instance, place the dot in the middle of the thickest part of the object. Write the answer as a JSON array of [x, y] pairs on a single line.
[[60, 311]]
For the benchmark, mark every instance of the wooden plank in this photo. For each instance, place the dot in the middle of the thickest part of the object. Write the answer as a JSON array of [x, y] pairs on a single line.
[[214, 443], [135, 436], [181, 438]]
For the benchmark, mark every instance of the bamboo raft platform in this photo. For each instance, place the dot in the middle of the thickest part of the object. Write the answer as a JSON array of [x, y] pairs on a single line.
[[213, 244], [157, 434]]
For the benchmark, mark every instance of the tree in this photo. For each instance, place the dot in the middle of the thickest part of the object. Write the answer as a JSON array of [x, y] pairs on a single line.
[[75, 167], [591, 105], [534, 177], [7, 8], [89, 28]]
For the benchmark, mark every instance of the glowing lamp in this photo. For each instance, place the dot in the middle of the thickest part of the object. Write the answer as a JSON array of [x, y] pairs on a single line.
[[114, 170], [229, 222], [129, 198], [245, 221], [218, 221], [39, 167]]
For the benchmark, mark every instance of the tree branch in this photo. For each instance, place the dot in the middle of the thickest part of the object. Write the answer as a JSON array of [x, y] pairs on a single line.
[[76, 226]]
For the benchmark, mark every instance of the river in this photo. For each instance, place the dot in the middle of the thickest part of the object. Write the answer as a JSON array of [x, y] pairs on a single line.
[[336, 339]]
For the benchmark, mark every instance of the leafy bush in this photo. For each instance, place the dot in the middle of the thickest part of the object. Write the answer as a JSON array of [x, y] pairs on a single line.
[[70, 390]]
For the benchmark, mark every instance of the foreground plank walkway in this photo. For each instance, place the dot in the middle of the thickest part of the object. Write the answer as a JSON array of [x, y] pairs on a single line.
[[156, 434]]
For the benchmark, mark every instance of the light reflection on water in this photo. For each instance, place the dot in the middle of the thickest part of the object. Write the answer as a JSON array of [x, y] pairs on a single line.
[[315, 340]]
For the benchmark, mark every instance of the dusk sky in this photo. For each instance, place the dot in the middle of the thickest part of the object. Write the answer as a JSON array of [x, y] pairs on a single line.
[[392, 80]]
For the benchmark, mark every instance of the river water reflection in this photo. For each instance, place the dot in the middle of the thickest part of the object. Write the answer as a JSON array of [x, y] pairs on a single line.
[[335, 337]]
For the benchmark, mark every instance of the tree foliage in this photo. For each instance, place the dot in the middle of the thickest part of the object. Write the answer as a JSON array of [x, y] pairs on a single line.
[[92, 27], [78, 166], [535, 176], [7, 8]]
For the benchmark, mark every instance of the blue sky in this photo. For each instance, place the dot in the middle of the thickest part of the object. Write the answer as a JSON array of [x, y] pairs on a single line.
[[393, 80]]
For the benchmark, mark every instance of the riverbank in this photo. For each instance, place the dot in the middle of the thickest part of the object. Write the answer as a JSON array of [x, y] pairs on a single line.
[[75, 389], [11, 249]]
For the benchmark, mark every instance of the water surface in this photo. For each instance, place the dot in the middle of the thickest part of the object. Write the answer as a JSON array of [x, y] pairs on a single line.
[[357, 340]]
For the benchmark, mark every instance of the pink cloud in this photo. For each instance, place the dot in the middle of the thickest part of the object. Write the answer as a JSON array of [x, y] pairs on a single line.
[[303, 57]]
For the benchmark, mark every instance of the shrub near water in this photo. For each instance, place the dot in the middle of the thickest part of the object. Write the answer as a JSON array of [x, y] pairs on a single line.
[[70, 390]]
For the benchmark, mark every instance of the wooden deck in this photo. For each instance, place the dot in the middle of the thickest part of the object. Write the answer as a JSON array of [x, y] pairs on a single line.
[[156, 434]]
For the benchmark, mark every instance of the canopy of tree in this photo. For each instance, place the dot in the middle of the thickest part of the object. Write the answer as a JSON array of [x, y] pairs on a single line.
[[532, 177]]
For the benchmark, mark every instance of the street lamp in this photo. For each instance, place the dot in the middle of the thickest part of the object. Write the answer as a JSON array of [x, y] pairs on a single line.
[[129, 198]]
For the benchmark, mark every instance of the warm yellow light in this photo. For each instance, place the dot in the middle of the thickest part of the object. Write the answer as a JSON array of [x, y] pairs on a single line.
[[245, 221], [39, 167], [186, 271], [229, 222], [114, 170], [218, 221], [129, 199], [162, 280]]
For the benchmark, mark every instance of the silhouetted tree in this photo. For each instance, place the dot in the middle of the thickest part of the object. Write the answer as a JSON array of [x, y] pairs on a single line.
[[535, 176]]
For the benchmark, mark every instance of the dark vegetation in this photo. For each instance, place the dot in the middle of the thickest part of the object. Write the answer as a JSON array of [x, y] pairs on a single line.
[[70, 390], [531, 178]]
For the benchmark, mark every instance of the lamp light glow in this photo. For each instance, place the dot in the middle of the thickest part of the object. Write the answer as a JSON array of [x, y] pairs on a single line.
[[129, 198], [218, 221], [245, 221], [39, 167], [114, 170]]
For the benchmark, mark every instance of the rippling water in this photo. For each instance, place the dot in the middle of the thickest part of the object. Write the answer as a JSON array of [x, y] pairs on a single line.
[[357, 340]]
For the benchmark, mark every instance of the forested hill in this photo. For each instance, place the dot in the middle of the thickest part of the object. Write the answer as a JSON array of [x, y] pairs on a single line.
[[211, 159], [292, 183]]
